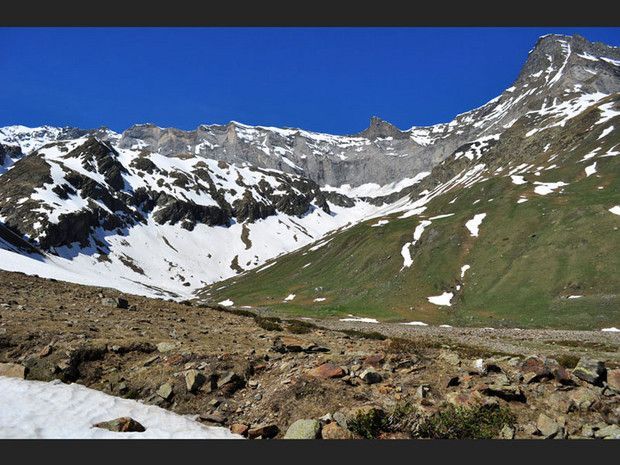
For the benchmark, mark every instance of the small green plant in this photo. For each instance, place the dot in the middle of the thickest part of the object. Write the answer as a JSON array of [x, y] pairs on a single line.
[[368, 424], [481, 422]]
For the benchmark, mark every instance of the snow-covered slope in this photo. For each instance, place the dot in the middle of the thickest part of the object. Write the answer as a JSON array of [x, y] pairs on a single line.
[[53, 410], [156, 225]]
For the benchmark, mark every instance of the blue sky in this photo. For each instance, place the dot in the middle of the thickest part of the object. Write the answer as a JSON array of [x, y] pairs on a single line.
[[322, 79]]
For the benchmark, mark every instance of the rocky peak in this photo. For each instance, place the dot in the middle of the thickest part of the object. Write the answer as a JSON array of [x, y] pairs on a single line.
[[380, 128]]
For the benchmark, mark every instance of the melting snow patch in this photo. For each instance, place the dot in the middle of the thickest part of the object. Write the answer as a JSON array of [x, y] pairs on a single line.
[[40, 410], [575, 296], [443, 299], [611, 330], [415, 323], [407, 260], [359, 319], [615, 210], [289, 297], [445, 326], [226, 303], [474, 224], [320, 299], [379, 223], [521, 200], [605, 132], [464, 268], [590, 170], [518, 180], [438, 217], [544, 188]]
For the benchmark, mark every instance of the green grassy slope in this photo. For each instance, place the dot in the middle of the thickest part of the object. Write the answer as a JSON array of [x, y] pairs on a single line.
[[528, 258]]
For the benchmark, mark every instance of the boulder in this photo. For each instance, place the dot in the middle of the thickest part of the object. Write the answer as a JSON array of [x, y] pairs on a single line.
[[303, 429], [239, 428], [370, 376], [608, 432], [266, 431], [613, 379], [335, 431], [465, 398], [507, 432], [166, 346], [118, 302], [590, 371], [374, 360], [547, 426], [121, 425], [13, 370], [581, 399], [194, 380], [326, 371], [452, 358], [165, 391]]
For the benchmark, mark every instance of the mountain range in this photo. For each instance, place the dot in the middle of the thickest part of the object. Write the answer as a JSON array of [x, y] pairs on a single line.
[[508, 215]]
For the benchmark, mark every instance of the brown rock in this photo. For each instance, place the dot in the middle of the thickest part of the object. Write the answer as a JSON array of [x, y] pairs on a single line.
[[613, 379], [268, 431], [335, 431], [374, 360], [121, 425], [326, 371], [239, 428], [12, 370], [465, 398]]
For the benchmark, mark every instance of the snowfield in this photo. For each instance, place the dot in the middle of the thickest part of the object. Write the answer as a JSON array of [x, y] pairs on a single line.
[[474, 224], [40, 410]]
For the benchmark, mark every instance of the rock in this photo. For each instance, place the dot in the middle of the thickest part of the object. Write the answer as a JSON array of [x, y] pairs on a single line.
[[165, 391], [454, 381], [303, 429], [341, 419], [507, 432], [547, 426], [213, 418], [13, 370], [587, 431], [166, 346], [479, 367], [121, 425], [239, 428], [450, 357], [194, 380], [267, 431], [373, 360], [613, 379], [609, 432], [590, 371], [115, 302], [581, 399], [47, 350], [326, 371], [335, 431], [230, 382], [284, 344], [422, 391], [370, 376], [465, 398], [505, 392]]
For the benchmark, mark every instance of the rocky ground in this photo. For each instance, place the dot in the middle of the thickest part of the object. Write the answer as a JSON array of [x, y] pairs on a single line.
[[265, 378]]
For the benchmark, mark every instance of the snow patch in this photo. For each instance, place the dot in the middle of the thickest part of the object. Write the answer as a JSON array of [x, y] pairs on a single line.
[[474, 224], [443, 299]]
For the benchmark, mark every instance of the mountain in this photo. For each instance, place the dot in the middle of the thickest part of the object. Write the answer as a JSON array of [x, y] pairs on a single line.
[[517, 228], [504, 212]]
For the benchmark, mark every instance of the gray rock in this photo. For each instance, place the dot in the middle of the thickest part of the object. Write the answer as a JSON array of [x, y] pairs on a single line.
[[303, 429], [609, 432], [194, 380], [166, 346], [370, 376], [591, 371], [121, 425], [165, 391], [547, 427]]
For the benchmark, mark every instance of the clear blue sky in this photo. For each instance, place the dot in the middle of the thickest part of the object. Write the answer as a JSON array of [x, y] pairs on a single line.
[[321, 79]]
